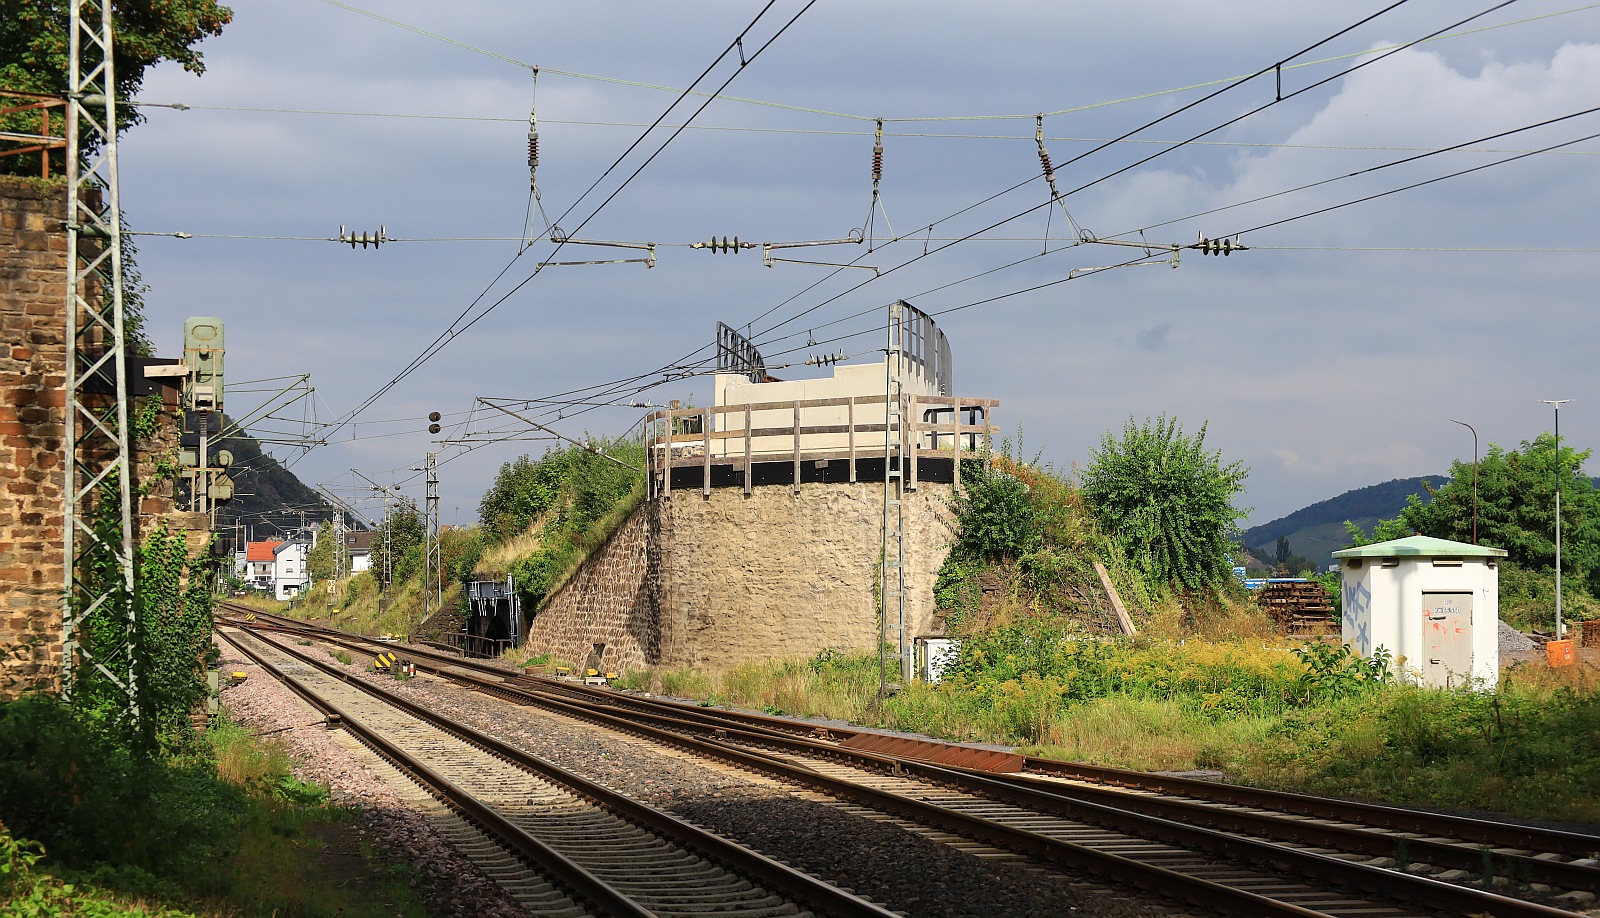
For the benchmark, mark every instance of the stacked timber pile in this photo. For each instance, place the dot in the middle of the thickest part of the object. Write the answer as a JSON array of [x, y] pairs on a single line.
[[1301, 608]]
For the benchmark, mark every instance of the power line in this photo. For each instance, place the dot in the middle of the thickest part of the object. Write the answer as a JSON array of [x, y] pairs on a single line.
[[1380, 167], [1279, 98], [966, 238], [452, 332], [937, 118], [1403, 161], [926, 135], [1415, 185]]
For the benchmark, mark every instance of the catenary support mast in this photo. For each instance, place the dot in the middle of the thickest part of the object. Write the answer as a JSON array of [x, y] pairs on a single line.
[[97, 530]]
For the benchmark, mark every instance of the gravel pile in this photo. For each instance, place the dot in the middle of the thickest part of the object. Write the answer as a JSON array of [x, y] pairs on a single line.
[[451, 884], [1513, 641]]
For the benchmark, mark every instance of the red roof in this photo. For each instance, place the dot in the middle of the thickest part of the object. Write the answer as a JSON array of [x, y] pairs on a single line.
[[260, 551]]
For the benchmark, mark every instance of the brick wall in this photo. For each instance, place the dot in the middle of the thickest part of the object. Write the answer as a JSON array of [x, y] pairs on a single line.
[[33, 264], [726, 579]]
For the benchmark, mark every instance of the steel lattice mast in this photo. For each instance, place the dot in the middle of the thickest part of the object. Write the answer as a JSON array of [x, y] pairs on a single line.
[[98, 470], [892, 569]]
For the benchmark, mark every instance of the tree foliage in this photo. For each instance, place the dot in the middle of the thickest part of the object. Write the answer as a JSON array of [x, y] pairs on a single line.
[[1516, 509], [576, 492], [319, 560], [996, 515], [34, 52], [397, 543], [1167, 501]]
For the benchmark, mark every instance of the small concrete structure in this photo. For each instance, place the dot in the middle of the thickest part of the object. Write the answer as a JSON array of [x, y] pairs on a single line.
[[1433, 604]]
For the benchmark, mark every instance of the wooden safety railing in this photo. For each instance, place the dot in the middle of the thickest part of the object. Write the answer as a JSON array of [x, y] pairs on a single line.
[[12, 103], [724, 435]]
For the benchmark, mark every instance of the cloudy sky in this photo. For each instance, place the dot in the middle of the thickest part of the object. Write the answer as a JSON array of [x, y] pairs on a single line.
[[1330, 355]]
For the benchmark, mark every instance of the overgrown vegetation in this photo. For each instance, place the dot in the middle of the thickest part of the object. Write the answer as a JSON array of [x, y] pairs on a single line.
[[1315, 719], [1028, 539], [91, 826], [163, 670], [1167, 502], [1199, 689], [112, 803], [559, 510]]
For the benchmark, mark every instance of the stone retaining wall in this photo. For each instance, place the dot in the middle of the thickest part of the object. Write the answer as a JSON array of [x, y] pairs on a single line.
[[717, 581], [781, 574], [610, 601]]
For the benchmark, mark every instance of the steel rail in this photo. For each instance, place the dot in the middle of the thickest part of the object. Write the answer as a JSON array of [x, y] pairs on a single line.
[[1497, 834], [1423, 890], [1493, 833], [1170, 883], [1180, 815], [1348, 838], [1400, 819], [771, 874], [558, 866]]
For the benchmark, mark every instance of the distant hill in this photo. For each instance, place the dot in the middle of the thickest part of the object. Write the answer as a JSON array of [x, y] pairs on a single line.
[[1317, 530], [268, 498]]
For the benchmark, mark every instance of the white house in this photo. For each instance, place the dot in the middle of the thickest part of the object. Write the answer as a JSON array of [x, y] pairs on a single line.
[[290, 575], [358, 547], [1433, 604]]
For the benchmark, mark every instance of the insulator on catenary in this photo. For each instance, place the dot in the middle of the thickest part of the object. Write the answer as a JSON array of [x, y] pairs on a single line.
[[365, 239], [533, 137], [1044, 155], [723, 246], [1220, 246], [877, 154]]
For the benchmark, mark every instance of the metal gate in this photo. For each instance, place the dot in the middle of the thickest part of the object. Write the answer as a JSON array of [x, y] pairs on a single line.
[[1446, 638]]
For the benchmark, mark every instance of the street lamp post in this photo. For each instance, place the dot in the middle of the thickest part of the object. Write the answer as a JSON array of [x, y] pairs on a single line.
[[1558, 402], [1474, 477]]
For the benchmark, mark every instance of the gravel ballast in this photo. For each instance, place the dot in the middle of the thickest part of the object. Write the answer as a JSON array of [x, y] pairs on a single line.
[[898, 869]]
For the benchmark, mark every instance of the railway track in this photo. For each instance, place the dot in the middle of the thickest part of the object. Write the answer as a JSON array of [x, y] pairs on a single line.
[[1234, 856], [591, 851]]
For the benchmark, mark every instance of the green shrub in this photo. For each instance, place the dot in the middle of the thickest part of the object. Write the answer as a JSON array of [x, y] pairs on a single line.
[[78, 788], [1334, 671], [995, 513], [1168, 502]]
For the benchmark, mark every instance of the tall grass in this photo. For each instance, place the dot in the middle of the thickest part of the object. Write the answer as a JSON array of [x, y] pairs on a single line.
[[1315, 722], [88, 827], [1528, 748], [830, 684]]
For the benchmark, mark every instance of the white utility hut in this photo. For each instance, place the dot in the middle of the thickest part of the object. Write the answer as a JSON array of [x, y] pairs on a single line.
[[1433, 604]]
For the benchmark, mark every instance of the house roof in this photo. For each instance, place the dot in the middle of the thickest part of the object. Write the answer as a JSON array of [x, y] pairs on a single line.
[[1421, 546], [260, 551], [358, 539]]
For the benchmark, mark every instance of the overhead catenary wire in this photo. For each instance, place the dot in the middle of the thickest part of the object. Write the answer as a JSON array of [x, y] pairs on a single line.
[[452, 332], [1407, 160], [962, 237], [754, 129], [1284, 66], [1279, 99], [1389, 165]]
